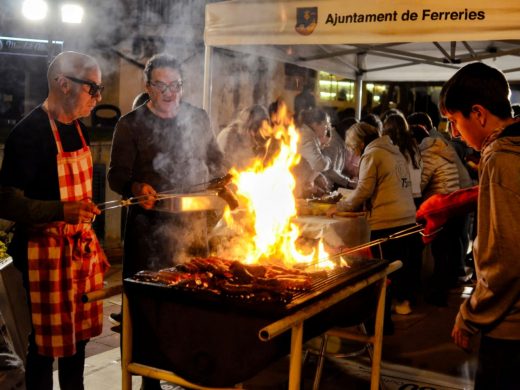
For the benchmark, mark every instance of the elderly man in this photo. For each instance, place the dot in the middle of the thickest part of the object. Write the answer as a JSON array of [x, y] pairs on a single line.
[[163, 145], [46, 187], [476, 103]]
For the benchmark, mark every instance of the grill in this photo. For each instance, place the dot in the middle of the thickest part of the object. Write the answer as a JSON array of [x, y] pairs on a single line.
[[213, 340]]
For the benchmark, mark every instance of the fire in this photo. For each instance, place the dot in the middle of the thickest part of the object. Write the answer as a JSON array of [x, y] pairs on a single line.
[[265, 221]]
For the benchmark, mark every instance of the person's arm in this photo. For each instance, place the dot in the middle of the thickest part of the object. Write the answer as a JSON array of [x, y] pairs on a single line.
[[16, 207], [122, 158], [428, 169], [309, 149], [339, 179], [365, 187]]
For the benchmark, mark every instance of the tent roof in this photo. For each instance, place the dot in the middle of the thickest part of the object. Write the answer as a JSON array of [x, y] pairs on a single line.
[[444, 36]]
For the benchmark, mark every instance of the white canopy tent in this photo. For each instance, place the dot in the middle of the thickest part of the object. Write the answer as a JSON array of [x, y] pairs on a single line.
[[370, 40]]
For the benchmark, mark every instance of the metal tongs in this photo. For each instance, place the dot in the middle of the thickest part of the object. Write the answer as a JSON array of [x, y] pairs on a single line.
[[114, 204], [211, 187]]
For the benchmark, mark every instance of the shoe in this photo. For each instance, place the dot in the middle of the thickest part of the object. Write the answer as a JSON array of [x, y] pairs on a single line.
[[115, 318], [402, 308]]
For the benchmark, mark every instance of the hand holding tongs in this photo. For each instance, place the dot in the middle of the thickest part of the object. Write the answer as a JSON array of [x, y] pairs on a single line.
[[134, 200], [216, 186]]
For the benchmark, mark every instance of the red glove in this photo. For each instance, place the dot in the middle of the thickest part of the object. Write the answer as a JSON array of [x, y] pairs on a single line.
[[437, 209]]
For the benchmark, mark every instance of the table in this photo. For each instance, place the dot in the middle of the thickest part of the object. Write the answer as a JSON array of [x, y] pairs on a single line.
[[336, 231]]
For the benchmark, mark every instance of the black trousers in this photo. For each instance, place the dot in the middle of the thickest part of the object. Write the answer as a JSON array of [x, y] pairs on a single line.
[[498, 364], [405, 280], [38, 370], [448, 250]]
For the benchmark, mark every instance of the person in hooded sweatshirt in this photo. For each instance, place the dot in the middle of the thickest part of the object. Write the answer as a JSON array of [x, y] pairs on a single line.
[[476, 103], [384, 190], [443, 173]]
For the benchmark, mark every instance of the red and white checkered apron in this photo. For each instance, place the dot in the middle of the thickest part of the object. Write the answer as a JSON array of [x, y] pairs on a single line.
[[66, 261]]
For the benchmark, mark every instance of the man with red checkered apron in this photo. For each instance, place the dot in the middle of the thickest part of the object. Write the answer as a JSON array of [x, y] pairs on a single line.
[[46, 188]]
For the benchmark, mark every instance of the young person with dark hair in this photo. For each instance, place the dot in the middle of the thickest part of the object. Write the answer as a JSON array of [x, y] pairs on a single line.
[[476, 103]]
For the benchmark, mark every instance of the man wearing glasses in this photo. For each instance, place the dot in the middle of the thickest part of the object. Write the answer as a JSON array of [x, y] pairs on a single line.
[[163, 145], [46, 187]]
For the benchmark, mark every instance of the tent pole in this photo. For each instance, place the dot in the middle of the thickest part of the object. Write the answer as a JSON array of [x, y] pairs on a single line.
[[206, 94], [359, 94]]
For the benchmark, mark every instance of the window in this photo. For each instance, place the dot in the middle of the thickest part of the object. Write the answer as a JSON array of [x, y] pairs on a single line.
[[335, 88]]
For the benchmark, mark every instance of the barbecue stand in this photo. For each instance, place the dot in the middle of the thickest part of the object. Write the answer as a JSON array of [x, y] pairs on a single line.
[[272, 331]]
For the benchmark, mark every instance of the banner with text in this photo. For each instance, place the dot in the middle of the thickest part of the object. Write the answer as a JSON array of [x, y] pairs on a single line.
[[367, 21]]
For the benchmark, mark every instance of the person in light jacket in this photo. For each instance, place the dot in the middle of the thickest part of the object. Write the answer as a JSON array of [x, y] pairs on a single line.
[[444, 173], [315, 134], [246, 138], [384, 190]]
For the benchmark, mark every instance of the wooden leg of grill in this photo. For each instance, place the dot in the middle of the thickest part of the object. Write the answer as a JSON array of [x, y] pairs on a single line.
[[126, 353], [373, 344], [295, 365]]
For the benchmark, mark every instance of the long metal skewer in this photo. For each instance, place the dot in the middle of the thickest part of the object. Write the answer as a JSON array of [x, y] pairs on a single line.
[[400, 234]]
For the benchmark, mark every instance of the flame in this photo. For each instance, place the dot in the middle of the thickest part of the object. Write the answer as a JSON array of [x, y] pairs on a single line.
[[264, 224]]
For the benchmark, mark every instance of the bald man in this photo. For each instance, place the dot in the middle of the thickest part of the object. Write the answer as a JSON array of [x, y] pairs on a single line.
[[46, 189]]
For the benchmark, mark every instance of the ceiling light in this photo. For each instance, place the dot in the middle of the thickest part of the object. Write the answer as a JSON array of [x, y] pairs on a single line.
[[71, 13], [34, 9]]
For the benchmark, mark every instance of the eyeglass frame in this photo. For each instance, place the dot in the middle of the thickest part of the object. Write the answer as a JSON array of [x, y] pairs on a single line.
[[94, 88], [174, 86]]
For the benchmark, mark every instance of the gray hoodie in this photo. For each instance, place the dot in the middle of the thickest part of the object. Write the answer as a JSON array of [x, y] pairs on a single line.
[[494, 305], [384, 187]]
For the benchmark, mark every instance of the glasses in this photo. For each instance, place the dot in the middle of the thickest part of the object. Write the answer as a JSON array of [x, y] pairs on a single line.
[[174, 86], [94, 88]]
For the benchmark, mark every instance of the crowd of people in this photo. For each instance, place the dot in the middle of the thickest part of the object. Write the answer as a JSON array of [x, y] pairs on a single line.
[[393, 165]]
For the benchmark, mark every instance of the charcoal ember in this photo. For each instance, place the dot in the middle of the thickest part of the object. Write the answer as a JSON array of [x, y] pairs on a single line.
[[188, 267], [254, 292], [267, 283], [275, 270], [197, 281], [233, 279], [146, 276], [294, 282], [240, 273], [234, 288], [215, 265], [258, 271], [172, 277], [286, 282]]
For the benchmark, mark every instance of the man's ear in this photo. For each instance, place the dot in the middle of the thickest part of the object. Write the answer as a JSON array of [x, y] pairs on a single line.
[[64, 84], [480, 113]]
